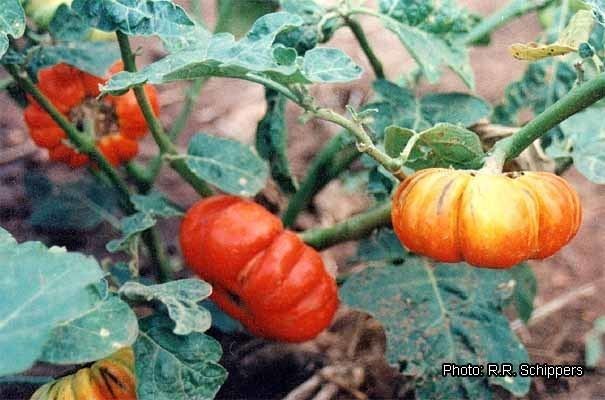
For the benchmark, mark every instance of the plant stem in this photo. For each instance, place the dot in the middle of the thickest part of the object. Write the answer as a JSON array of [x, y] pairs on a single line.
[[357, 227], [576, 100], [332, 159], [162, 140], [191, 97], [158, 256], [513, 9], [82, 142], [364, 141], [360, 35]]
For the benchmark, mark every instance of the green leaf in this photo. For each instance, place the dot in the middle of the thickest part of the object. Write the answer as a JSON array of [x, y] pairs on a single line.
[[12, 22], [381, 183], [443, 145], [172, 366], [80, 205], [399, 106], [447, 313], [543, 83], [594, 343], [524, 294], [248, 58], [155, 204], [67, 25], [99, 332], [236, 16], [329, 65], [227, 164], [272, 141], [180, 297], [586, 131], [131, 227], [381, 246], [136, 18], [93, 57], [40, 288]]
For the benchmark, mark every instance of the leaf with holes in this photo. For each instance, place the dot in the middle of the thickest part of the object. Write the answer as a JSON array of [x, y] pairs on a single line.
[[447, 313]]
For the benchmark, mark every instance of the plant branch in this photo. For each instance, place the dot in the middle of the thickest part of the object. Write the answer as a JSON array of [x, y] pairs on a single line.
[[513, 9], [357, 227], [163, 141], [576, 100], [332, 159], [360, 35]]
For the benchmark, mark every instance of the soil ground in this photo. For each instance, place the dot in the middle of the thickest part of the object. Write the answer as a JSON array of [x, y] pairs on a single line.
[[354, 344]]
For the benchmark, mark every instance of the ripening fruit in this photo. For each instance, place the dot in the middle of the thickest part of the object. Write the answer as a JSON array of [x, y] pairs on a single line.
[[487, 220], [117, 120], [109, 379], [262, 275]]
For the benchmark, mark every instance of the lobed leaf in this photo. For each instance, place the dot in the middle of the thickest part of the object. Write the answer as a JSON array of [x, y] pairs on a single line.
[[447, 313], [173, 366], [40, 288], [12, 23], [102, 330], [131, 227], [180, 297], [253, 56], [227, 164], [135, 17]]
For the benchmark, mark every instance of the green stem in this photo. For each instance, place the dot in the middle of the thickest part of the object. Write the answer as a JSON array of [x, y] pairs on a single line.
[[157, 254], [573, 102], [512, 10], [360, 35], [355, 228], [191, 97], [332, 159], [82, 142], [157, 131]]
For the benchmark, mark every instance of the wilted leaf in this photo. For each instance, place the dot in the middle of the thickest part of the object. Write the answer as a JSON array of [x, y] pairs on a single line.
[[40, 288], [447, 313], [172, 366], [12, 22], [181, 298], [227, 164], [272, 141], [443, 145], [102, 330]]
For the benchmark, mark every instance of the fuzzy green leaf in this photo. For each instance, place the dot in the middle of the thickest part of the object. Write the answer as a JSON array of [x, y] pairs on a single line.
[[102, 330], [227, 164], [12, 22], [173, 366], [131, 227], [155, 204], [135, 17], [40, 288], [180, 297], [447, 313]]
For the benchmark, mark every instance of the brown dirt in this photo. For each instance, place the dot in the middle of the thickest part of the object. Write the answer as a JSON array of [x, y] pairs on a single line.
[[267, 370]]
